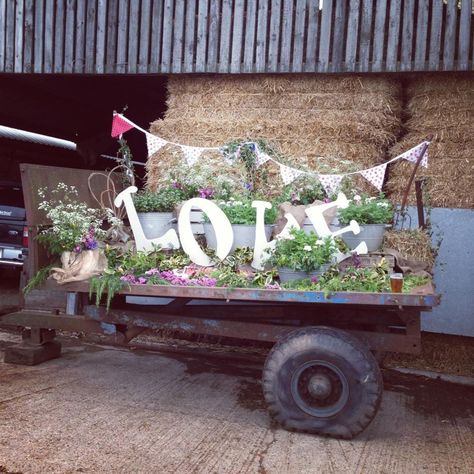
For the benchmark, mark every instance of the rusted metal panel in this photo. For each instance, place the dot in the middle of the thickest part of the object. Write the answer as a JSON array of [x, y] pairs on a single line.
[[281, 296]]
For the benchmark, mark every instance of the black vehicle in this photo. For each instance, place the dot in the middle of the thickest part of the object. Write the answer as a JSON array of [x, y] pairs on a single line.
[[13, 229]]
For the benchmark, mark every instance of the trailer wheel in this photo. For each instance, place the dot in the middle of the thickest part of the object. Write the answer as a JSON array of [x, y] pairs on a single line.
[[324, 381]]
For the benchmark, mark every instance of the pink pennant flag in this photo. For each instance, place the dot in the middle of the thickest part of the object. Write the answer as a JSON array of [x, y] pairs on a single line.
[[330, 182], [191, 154], [154, 143], [288, 175], [414, 153], [120, 125], [375, 175]]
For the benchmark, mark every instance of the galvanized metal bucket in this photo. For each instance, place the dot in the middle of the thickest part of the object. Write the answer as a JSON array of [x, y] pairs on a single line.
[[371, 234], [287, 274], [244, 235], [155, 224]]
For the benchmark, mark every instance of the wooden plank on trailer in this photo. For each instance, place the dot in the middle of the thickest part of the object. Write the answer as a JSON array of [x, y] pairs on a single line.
[[133, 35], [393, 41], [121, 65], [190, 36], [421, 35], [339, 35], [312, 36], [237, 34], [101, 35], [156, 35], [298, 36], [326, 33], [28, 36], [249, 43], [213, 35], [38, 38], [90, 36], [201, 40], [286, 36], [178, 38], [365, 35], [19, 29], [274, 38], [262, 34], [58, 59], [466, 35], [144, 44], [406, 60], [69, 37], [435, 35], [79, 56], [10, 37], [450, 35], [379, 35], [226, 28]]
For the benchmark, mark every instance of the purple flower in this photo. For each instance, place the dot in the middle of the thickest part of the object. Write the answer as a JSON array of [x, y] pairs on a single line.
[[272, 286], [152, 271], [141, 280], [356, 260], [176, 185], [206, 193], [77, 249], [314, 280], [91, 244], [249, 186], [326, 200]]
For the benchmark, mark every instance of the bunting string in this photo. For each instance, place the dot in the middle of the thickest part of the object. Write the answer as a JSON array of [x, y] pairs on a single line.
[[330, 182]]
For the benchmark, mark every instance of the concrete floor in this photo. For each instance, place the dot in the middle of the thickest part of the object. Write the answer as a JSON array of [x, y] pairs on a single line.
[[107, 410]]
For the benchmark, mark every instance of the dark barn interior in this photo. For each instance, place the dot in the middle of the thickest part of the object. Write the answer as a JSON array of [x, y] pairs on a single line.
[[79, 109]]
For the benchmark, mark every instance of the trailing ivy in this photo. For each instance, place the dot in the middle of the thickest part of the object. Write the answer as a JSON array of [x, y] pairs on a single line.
[[38, 279]]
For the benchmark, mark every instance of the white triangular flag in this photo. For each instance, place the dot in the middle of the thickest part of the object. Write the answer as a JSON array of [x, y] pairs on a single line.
[[154, 143], [288, 175], [191, 153], [261, 158], [330, 182], [414, 153], [375, 175]]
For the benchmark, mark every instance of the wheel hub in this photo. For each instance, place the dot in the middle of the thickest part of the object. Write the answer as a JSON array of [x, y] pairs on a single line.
[[319, 386]]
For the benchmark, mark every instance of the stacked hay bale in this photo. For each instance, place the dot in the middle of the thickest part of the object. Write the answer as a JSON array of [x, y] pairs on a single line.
[[442, 106], [329, 124]]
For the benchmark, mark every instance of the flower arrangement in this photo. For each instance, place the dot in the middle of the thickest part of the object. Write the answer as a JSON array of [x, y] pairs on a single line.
[[301, 251], [162, 200], [75, 226], [303, 191], [367, 210]]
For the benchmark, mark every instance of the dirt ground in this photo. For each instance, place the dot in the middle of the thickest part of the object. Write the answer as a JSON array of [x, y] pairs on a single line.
[[99, 409]]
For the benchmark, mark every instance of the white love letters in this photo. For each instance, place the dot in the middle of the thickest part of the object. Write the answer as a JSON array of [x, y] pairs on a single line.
[[223, 228]]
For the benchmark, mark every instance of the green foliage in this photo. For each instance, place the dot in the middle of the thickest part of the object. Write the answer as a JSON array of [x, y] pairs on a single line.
[[242, 212], [108, 282], [163, 200], [126, 160], [367, 210], [303, 191], [38, 279], [303, 251]]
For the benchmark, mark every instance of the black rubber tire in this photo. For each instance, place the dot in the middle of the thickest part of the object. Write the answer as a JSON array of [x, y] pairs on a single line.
[[358, 370]]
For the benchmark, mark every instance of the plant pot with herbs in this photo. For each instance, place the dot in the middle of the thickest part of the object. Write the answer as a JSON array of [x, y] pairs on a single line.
[[302, 255], [373, 214], [155, 209], [242, 217]]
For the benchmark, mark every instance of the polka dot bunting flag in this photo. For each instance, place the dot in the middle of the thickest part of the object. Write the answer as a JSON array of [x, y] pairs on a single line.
[[288, 175], [262, 158], [191, 154], [154, 143], [413, 155], [375, 175], [330, 182]]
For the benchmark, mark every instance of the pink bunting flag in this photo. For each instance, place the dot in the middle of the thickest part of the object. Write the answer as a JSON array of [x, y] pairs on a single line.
[[120, 125], [154, 144], [413, 155], [330, 182], [191, 154], [288, 175], [375, 175]]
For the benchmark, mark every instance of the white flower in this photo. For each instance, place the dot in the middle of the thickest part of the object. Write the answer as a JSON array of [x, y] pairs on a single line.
[[291, 237], [319, 242], [307, 248], [357, 198], [238, 203], [382, 204], [371, 198]]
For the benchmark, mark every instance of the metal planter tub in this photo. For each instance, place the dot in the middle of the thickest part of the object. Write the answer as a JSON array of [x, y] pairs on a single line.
[[287, 274], [155, 224], [371, 234], [244, 235]]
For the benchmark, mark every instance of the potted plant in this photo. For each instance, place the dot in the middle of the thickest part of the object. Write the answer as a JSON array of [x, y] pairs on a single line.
[[302, 255], [155, 209], [242, 217], [373, 214]]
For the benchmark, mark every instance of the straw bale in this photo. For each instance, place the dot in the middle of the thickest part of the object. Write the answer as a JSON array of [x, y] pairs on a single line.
[[414, 244], [442, 107], [324, 124]]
